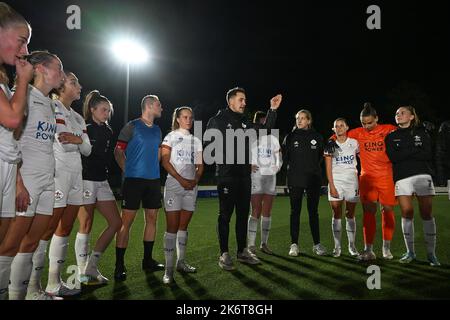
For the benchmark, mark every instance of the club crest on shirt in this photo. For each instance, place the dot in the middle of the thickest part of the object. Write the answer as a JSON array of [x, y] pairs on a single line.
[[417, 141], [313, 144], [59, 195], [177, 141], [296, 144], [87, 194]]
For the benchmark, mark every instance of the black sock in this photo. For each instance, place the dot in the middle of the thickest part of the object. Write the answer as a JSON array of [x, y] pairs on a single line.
[[148, 250], [120, 254]]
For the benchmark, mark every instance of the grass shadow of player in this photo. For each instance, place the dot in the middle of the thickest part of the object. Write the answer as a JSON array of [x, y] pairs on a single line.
[[417, 271], [347, 266], [155, 285], [200, 291], [344, 262], [255, 285], [88, 290], [178, 292], [314, 274], [288, 285], [120, 291], [424, 266]]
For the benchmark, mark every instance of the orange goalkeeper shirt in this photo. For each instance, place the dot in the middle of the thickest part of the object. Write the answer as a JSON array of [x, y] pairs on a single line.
[[372, 150]]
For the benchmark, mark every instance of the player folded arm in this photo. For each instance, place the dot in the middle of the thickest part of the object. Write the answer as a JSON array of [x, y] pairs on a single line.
[[85, 147], [68, 141]]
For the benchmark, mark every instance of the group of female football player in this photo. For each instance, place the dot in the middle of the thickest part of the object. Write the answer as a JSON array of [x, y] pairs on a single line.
[[53, 170]]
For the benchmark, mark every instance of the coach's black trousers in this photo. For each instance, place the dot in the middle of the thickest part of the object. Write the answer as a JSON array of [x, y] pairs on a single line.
[[312, 198], [234, 193]]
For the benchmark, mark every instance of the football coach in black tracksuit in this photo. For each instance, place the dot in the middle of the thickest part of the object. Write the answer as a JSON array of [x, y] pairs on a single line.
[[233, 180], [303, 153]]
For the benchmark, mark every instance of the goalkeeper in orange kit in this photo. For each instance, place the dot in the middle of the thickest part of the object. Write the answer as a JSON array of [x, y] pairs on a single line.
[[376, 181]]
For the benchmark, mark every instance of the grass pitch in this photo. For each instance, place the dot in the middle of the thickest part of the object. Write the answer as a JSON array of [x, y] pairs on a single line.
[[279, 276]]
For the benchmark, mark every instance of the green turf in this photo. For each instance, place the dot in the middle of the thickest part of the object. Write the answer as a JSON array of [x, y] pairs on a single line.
[[279, 276]]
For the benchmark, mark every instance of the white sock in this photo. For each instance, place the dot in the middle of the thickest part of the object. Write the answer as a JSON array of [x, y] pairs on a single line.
[[38, 266], [57, 256], [251, 231], [81, 251], [265, 229], [336, 227], [350, 226], [386, 244], [92, 265], [429, 230], [20, 275], [169, 248], [5, 271], [182, 237], [408, 234], [368, 247]]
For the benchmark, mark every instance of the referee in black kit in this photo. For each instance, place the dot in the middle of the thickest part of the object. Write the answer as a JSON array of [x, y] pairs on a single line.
[[233, 180]]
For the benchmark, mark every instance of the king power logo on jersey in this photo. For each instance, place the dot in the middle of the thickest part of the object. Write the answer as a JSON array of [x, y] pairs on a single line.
[[185, 157], [374, 146], [264, 153], [345, 159], [45, 130]]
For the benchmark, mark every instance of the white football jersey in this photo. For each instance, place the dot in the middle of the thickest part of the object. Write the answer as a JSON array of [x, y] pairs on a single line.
[[266, 155], [68, 155], [36, 140], [344, 158], [185, 152], [9, 149]]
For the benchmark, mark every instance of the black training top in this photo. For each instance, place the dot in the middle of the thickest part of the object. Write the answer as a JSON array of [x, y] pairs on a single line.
[[303, 153], [228, 120], [409, 150], [95, 167]]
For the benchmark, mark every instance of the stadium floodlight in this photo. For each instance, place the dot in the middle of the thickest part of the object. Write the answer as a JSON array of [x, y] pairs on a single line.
[[129, 52]]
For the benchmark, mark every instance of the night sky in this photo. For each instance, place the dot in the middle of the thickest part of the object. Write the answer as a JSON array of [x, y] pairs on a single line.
[[319, 55]]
